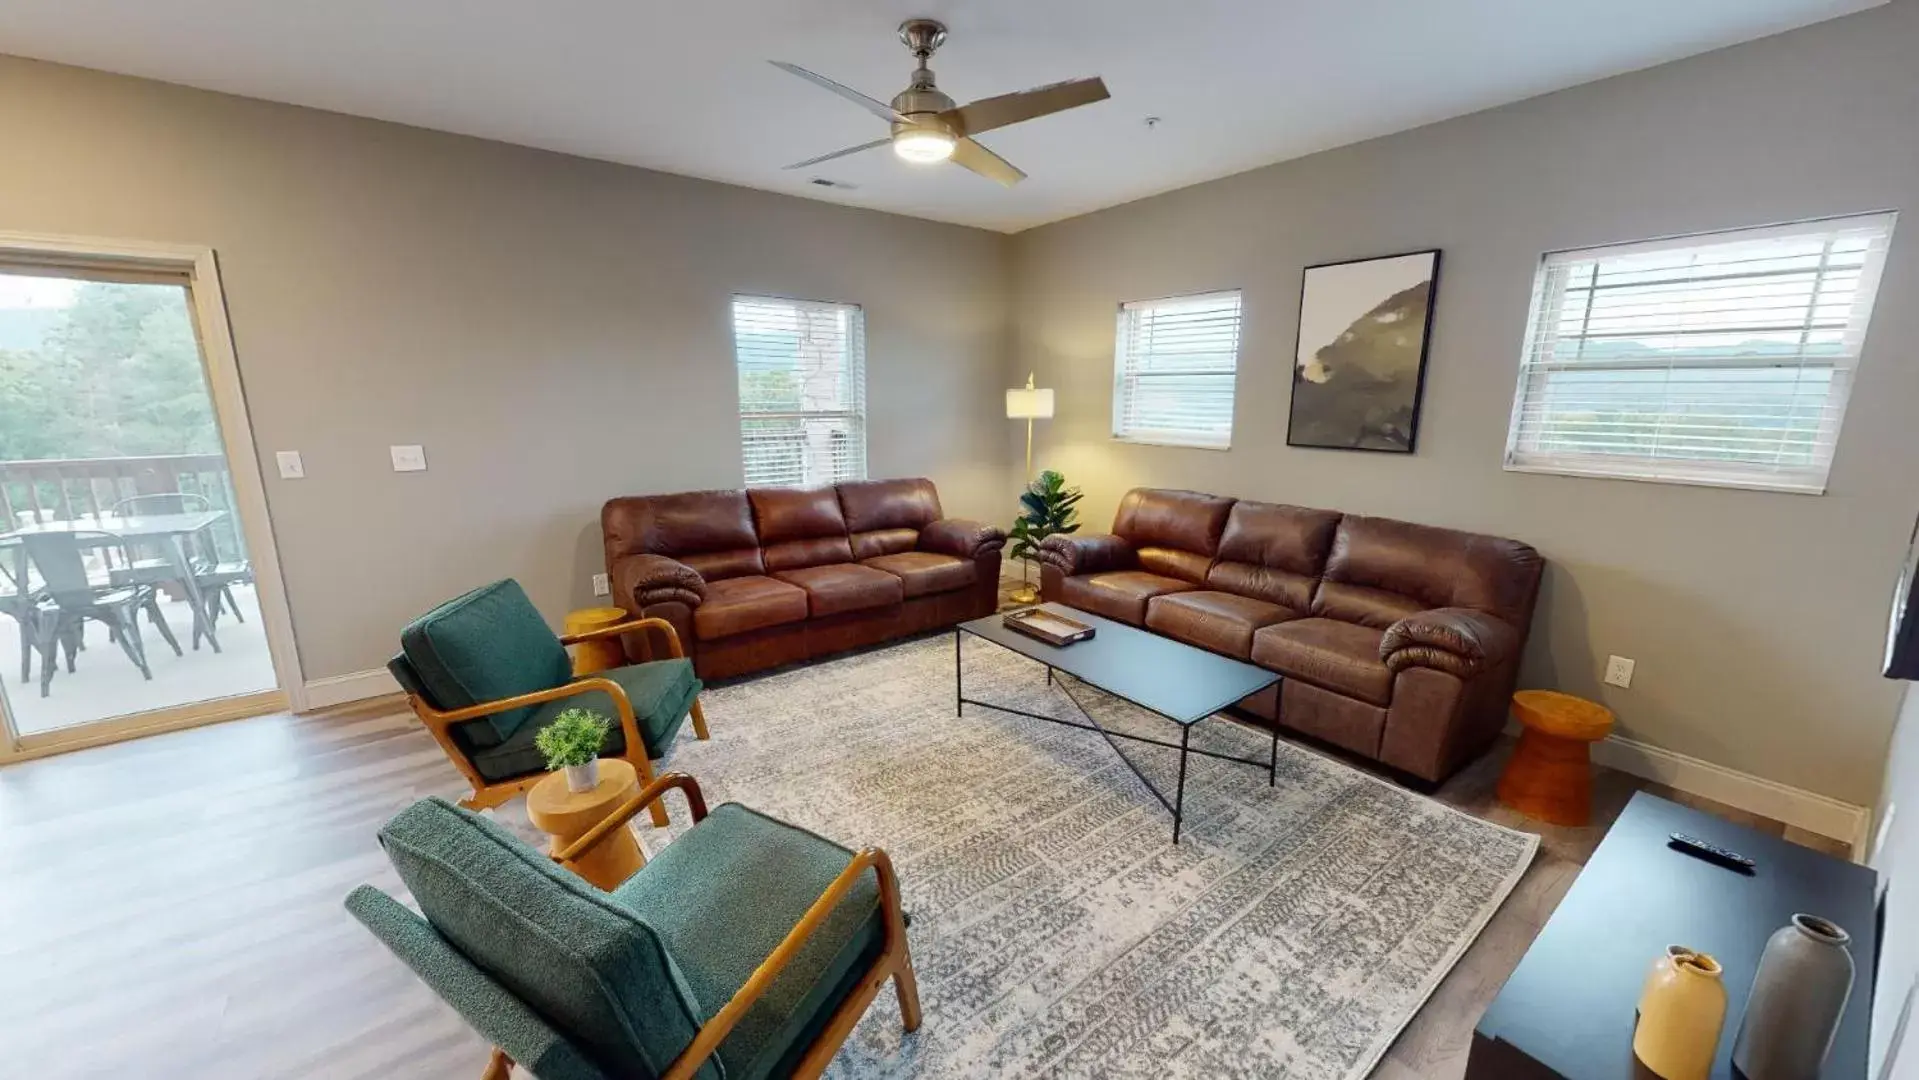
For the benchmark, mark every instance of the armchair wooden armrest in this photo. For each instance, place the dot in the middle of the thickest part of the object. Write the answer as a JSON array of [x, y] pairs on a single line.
[[893, 960], [673, 648], [695, 801], [629, 627], [540, 697], [439, 723]]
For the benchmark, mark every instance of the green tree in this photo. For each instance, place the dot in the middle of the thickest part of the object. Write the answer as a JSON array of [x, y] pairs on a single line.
[[118, 375], [1046, 508]]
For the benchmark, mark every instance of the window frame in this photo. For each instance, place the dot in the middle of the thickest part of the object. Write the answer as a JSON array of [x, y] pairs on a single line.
[[1158, 436], [1548, 295], [855, 416]]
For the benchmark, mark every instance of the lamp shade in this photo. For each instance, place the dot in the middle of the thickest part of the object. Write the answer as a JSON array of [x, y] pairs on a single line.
[[1029, 404]]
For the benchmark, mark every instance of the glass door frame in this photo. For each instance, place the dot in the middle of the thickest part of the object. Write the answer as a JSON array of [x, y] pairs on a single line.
[[197, 268]]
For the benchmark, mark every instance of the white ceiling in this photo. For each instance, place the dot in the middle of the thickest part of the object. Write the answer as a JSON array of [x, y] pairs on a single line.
[[682, 85]]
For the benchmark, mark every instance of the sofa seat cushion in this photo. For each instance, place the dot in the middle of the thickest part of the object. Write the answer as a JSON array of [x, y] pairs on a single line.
[[835, 590], [661, 692], [923, 573], [581, 961], [1221, 621], [736, 605], [1119, 594], [723, 895], [1338, 656]]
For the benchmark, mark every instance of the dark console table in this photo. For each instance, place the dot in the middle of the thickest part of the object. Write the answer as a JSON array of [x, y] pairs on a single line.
[[1567, 1010]]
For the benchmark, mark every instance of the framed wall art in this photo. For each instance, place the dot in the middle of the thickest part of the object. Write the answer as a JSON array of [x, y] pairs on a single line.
[[1360, 365]]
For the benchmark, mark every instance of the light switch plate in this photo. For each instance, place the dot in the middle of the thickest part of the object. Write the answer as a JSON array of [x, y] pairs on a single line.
[[1619, 671], [600, 587], [408, 458], [290, 466]]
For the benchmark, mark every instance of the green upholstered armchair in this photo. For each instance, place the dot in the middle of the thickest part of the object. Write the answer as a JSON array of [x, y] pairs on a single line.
[[485, 674], [746, 950]]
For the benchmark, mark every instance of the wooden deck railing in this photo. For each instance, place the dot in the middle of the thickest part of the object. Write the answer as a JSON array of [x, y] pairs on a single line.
[[78, 489]]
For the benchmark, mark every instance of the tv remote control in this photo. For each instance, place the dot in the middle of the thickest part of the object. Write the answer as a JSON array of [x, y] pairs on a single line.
[[1700, 849]]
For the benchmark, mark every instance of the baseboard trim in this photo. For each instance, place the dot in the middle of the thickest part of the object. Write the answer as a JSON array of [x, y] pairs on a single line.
[[1794, 806], [343, 689]]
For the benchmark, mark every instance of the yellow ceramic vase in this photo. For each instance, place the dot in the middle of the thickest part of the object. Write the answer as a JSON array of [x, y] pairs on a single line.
[[1681, 1012]]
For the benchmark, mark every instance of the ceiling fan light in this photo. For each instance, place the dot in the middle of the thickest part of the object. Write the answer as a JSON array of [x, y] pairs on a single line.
[[923, 146]]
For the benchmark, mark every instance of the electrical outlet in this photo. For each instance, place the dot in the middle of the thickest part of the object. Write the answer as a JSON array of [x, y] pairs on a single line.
[[290, 467], [1619, 671], [408, 458], [600, 586]]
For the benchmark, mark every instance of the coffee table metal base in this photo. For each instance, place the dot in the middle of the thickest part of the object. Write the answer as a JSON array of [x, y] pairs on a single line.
[[1177, 804]]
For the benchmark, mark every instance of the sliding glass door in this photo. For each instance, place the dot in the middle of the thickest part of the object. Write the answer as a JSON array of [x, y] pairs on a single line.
[[129, 591]]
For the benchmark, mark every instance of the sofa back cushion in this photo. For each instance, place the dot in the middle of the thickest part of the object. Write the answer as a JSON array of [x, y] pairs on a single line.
[[593, 969], [1381, 570], [1273, 553], [884, 517], [710, 531], [800, 527], [487, 644], [1175, 533]]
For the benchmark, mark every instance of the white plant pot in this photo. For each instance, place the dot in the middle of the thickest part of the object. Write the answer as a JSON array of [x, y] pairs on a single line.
[[583, 777]]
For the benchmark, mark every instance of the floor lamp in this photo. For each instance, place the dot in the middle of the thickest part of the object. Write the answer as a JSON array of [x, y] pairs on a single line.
[[1029, 404]]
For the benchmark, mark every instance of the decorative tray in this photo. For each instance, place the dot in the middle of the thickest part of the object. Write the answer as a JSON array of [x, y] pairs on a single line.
[[1047, 626]]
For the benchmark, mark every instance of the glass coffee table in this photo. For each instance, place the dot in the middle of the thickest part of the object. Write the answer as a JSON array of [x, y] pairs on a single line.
[[1169, 678]]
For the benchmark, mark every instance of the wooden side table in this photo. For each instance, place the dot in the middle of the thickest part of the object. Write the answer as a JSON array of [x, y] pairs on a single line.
[[592, 656], [1550, 774], [567, 815]]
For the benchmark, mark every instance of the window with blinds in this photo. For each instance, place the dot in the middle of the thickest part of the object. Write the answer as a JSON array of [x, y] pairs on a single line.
[[1174, 364], [1720, 359], [802, 391]]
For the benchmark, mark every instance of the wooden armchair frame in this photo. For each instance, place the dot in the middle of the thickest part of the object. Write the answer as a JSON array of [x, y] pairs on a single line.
[[490, 793], [895, 960]]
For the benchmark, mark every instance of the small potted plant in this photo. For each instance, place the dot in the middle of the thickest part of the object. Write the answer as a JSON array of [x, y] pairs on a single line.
[[572, 742], [1046, 508]]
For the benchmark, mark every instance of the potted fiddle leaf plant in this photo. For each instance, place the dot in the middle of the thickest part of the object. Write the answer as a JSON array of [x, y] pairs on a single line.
[[1046, 508], [572, 742]]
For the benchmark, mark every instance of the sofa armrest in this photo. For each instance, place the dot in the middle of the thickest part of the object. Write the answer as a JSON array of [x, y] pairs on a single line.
[[961, 538], [1087, 553], [656, 579], [1458, 641]]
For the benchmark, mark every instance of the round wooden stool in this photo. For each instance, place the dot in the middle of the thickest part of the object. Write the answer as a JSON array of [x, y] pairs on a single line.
[[567, 815], [592, 656], [1550, 774]]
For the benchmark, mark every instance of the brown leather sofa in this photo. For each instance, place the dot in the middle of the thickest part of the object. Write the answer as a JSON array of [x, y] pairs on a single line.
[[754, 579], [1399, 642]]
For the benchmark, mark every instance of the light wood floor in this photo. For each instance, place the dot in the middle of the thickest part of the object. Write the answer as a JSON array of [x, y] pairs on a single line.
[[171, 908]]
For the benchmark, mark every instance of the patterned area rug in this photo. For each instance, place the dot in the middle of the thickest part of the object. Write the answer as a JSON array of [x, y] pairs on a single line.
[[1057, 931]]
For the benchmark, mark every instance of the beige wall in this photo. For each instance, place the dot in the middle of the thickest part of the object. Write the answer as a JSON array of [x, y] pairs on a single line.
[[554, 331], [1755, 618]]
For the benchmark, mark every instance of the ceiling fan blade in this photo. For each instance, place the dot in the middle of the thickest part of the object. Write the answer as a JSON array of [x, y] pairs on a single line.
[[839, 153], [878, 108], [997, 112], [973, 156]]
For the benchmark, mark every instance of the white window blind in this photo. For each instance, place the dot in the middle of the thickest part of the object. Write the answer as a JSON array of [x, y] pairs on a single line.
[[1720, 359], [1173, 369], [802, 391]]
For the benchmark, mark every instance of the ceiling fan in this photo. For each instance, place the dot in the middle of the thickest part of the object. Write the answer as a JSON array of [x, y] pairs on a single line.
[[928, 127]]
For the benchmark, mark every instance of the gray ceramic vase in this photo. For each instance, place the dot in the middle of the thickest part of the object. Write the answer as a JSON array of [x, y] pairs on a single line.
[[1797, 999]]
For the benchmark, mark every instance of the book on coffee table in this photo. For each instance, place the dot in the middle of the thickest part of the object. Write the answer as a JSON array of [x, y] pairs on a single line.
[[1048, 626]]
